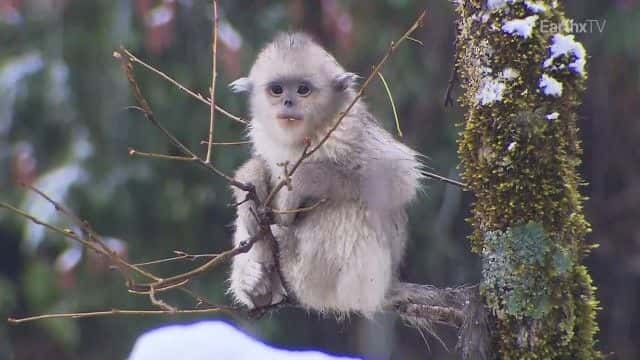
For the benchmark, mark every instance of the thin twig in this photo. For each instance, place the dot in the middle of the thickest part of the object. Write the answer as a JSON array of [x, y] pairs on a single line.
[[415, 40], [444, 179], [226, 143], [96, 244], [212, 112], [168, 282], [134, 152], [115, 312], [439, 314], [181, 256], [127, 68], [300, 210], [393, 104], [128, 54], [158, 302], [72, 235], [448, 96], [284, 182]]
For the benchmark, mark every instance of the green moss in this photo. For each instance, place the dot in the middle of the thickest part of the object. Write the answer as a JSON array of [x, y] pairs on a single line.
[[528, 221]]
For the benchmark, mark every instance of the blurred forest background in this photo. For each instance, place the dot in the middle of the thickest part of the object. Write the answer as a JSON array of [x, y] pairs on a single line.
[[64, 128]]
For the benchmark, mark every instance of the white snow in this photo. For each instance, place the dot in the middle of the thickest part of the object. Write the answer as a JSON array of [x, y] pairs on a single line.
[[550, 86], [486, 70], [496, 4], [553, 116], [490, 91], [567, 45], [482, 16], [510, 73], [512, 146], [211, 340], [536, 7], [492, 88], [520, 27]]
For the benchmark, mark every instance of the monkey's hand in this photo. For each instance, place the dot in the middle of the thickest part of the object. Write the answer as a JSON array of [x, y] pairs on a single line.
[[255, 284]]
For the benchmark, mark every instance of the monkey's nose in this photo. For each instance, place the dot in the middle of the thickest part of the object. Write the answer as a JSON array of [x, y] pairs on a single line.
[[288, 103]]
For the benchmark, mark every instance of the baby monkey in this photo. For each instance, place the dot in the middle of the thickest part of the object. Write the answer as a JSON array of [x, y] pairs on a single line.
[[342, 256]]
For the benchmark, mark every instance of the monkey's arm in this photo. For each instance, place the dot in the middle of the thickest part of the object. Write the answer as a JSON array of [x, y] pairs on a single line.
[[253, 279], [314, 181], [390, 183], [381, 183], [254, 171]]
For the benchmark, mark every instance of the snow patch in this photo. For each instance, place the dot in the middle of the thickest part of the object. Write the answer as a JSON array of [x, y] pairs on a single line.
[[550, 86], [536, 7], [212, 340], [482, 17], [567, 45], [553, 116], [491, 91], [510, 73], [512, 146], [496, 4], [520, 27]]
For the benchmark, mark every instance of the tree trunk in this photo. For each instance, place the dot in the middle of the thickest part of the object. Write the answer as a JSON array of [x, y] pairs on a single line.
[[522, 77]]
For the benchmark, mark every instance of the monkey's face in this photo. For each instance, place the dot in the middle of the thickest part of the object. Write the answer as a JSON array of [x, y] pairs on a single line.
[[296, 89], [291, 108], [287, 98]]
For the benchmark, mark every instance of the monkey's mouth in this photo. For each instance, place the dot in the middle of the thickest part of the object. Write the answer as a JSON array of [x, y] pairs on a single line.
[[289, 119]]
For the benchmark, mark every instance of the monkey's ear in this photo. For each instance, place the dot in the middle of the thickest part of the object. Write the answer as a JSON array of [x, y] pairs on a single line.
[[344, 81], [243, 84]]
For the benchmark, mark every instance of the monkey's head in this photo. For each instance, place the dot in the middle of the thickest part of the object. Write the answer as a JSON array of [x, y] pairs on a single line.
[[296, 88]]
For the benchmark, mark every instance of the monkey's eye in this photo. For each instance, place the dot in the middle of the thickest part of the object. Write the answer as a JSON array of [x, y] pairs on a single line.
[[276, 90], [303, 90]]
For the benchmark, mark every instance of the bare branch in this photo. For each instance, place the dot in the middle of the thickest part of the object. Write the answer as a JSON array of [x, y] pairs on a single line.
[[169, 282], [226, 143], [212, 112], [100, 249], [444, 179], [131, 57], [115, 312], [181, 256], [127, 68], [300, 210], [134, 152], [415, 40]]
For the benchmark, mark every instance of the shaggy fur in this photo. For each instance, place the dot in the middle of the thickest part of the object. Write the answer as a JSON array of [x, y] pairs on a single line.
[[341, 257]]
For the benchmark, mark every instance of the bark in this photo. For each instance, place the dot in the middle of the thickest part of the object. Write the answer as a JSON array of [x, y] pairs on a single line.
[[519, 151]]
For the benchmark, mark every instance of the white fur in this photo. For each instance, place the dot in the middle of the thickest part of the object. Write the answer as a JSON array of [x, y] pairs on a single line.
[[341, 257]]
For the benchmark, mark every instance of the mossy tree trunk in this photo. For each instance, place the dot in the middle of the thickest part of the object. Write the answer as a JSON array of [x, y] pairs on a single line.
[[523, 76]]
